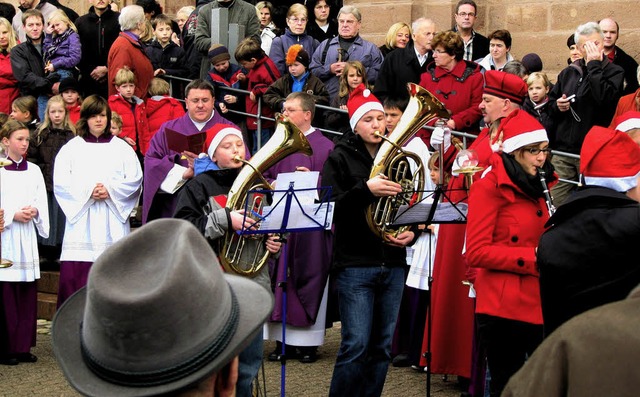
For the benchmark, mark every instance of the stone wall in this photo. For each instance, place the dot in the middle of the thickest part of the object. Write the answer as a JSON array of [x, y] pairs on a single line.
[[536, 26]]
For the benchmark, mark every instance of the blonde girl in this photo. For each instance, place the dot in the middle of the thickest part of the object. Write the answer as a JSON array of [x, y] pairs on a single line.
[[24, 201], [8, 83], [537, 102], [352, 76], [61, 48], [54, 132]]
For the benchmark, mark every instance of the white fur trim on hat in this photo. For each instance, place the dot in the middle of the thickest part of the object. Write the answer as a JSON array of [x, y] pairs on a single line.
[[223, 133], [621, 184], [524, 139], [362, 110], [628, 124]]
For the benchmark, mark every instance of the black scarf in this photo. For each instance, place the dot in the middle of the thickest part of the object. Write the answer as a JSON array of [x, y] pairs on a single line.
[[530, 184]]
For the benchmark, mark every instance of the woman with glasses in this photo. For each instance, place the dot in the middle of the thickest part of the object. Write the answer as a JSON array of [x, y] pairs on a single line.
[[508, 209], [295, 33]]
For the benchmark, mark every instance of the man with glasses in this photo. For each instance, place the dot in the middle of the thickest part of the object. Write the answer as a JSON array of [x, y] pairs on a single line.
[[165, 170], [476, 46], [307, 255], [329, 58]]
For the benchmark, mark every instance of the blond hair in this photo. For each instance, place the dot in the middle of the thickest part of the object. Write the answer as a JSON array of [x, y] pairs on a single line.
[[12, 35], [158, 86], [345, 90], [124, 76], [535, 76], [46, 123], [59, 15]]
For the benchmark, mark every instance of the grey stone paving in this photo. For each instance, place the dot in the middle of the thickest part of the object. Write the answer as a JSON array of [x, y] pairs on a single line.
[[44, 378]]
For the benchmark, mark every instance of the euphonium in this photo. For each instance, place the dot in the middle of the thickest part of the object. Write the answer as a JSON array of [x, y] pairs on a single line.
[[246, 254], [392, 161]]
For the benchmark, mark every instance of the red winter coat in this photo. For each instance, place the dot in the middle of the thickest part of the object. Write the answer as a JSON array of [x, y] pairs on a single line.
[[159, 110], [8, 84], [74, 113], [263, 74], [125, 51], [503, 229], [134, 122], [459, 90]]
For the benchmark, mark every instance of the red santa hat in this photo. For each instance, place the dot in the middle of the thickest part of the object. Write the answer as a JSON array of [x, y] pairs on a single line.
[[360, 102], [520, 129], [216, 134], [505, 85], [627, 121], [610, 159]]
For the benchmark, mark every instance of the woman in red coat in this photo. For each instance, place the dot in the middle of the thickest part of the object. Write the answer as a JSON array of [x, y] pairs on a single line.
[[458, 84], [8, 84], [507, 214]]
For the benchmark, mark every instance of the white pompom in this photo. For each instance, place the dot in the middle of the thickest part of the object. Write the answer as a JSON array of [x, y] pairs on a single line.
[[366, 93]]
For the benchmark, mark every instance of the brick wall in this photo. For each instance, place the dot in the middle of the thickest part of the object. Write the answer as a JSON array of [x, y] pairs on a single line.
[[536, 26]]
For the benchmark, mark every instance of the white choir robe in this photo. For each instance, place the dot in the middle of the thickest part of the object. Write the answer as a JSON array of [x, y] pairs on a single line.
[[19, 239], [93, 225]]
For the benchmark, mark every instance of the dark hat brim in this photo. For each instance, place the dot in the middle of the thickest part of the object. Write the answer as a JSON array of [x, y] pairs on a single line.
[[255, 305]]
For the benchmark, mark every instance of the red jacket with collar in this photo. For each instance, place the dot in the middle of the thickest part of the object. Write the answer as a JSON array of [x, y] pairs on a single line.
[[263, 74], [160, 108], [8, 84], [125, 51], [134, 120], [74, 112], [503, 229]]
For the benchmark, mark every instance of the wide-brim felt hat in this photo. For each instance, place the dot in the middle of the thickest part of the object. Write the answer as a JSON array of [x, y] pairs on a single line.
[[157, 315]]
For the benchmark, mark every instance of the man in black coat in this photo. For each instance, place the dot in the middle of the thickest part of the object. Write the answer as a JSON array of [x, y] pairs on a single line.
[[588, 257], [98, 29], [405, 65], [611, 32]]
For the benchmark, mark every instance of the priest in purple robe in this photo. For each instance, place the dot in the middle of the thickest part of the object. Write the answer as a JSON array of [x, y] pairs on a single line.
[[308, 254], [166, 170]]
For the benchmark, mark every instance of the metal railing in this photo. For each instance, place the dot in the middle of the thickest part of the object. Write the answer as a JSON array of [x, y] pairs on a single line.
[[463, 135]]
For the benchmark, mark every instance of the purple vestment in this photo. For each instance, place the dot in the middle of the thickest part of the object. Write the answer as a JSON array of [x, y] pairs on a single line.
[[308, 253], [159, 160]]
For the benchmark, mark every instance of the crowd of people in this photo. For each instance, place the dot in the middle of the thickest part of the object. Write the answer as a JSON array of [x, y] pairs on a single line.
[[98, 141]]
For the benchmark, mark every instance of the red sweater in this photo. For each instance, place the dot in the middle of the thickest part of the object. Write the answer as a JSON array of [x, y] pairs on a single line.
[[74, 113], [160, 109], [8, 84]]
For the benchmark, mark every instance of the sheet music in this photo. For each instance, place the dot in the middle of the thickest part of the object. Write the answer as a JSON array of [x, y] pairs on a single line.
[[418, 213], [301, 180], [304, 216]]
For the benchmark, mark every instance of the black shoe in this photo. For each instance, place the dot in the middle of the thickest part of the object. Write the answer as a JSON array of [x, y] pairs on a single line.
[[401, 360], [273, 356], [26, 358], [276, 354], [308, 354], [6, 360]]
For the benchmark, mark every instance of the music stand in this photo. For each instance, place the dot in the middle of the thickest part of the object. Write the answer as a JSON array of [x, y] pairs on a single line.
[[288, 215], [441, 211]]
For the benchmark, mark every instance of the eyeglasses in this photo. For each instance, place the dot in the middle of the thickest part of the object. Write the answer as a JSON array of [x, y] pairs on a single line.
[[536, 151], [298, 20], [466, 14]]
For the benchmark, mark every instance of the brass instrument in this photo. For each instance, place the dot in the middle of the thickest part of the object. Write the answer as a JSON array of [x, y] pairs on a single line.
[[4, 263], [392, 161], [246, 254], [545, 190]]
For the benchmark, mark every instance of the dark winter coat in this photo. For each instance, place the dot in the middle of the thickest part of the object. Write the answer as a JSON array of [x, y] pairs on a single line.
[[170, 58], [347, 171], [597, 86], [630, 66], [400, 67], [588, 257], [48, 144], [277, 93], [281, 44], [28, 69]]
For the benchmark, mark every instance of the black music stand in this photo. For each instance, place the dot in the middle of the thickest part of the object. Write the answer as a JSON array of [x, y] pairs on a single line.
[[288, 215], [441, 211]]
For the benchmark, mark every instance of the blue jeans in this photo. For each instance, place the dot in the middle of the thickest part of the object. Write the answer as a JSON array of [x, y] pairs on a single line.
[[250, 361], [369, 300]]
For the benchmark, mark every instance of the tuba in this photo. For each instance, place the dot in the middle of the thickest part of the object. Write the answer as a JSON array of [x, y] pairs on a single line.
[[246, 254], [392, 161]]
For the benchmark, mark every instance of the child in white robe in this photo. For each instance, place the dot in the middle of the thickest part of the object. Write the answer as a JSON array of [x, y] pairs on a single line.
[[24, 200], [97, 181]]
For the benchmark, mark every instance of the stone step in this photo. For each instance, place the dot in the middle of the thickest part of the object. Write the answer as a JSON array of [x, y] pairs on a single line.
[[48, 282], [47, 305]]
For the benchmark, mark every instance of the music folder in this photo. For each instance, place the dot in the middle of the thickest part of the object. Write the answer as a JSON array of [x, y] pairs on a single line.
[[179, 142]]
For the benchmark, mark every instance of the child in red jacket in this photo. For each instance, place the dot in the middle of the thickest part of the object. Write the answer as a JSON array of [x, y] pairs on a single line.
[[160, 108], [69, 90], [131, 108], [262, 73]]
